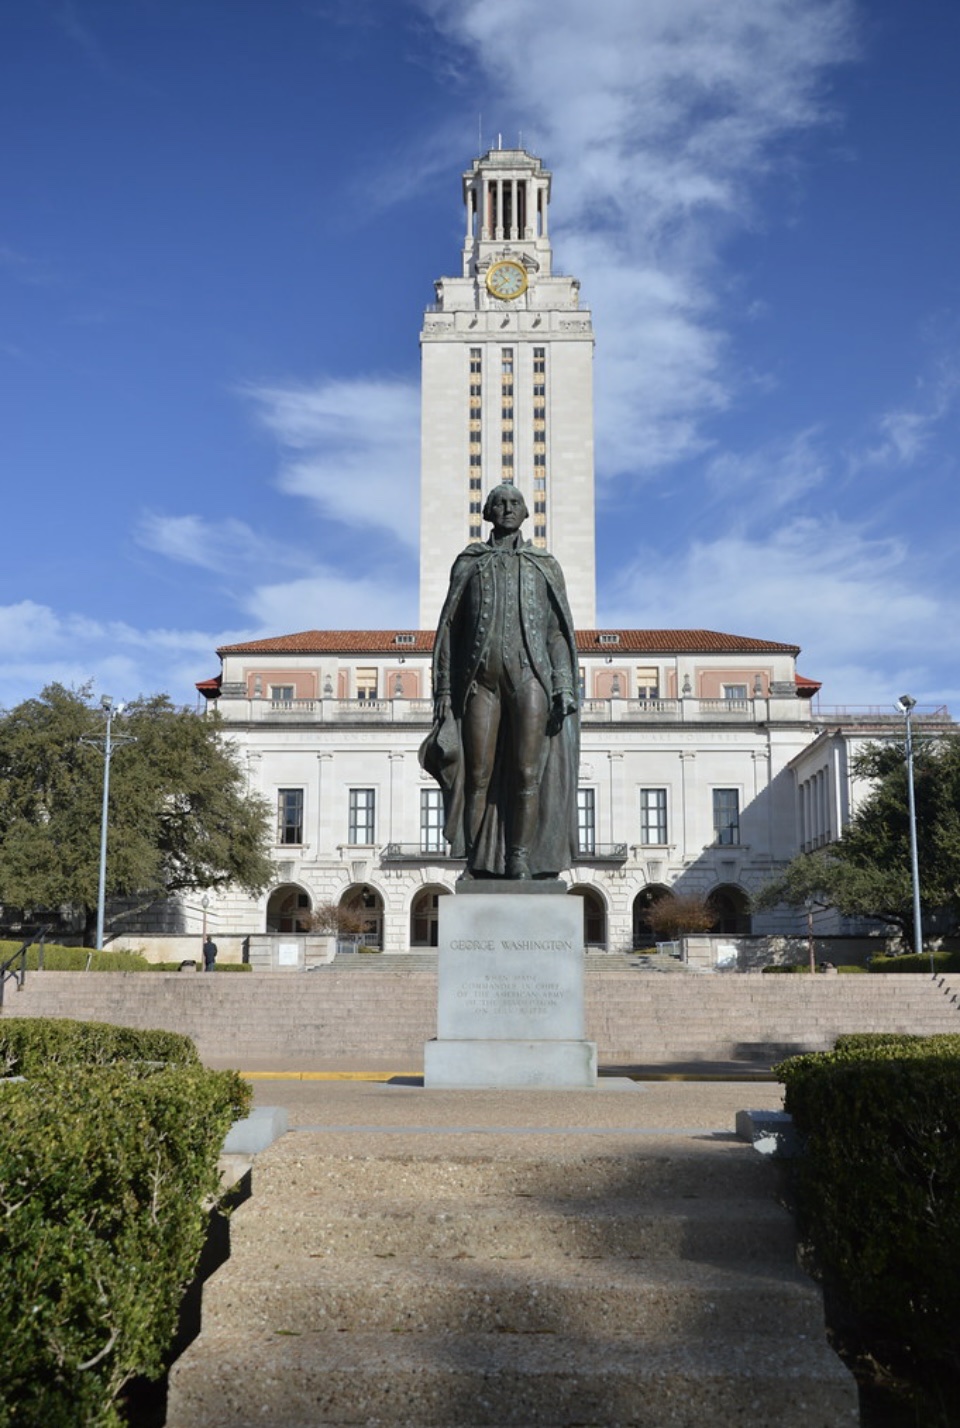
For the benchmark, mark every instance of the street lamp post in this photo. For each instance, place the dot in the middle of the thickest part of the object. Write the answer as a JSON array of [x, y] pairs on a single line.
[[107, 742], [906, 704]]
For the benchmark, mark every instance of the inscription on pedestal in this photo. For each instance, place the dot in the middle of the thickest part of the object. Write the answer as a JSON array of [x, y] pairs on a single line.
[[511, 966]]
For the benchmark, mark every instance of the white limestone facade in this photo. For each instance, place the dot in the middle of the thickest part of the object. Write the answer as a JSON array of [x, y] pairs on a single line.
[[507, 386], [685, 781]]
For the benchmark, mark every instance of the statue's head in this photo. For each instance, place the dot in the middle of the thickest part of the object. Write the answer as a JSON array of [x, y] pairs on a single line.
[[502, 498]]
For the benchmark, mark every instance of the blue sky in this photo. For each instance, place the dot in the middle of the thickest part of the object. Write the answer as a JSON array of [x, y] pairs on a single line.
[[222, 220]]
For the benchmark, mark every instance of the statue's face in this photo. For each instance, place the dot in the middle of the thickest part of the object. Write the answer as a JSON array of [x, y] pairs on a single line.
[[508, 511]]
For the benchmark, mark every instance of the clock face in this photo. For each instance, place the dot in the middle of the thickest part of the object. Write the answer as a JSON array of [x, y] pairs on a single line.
[[507, 279]]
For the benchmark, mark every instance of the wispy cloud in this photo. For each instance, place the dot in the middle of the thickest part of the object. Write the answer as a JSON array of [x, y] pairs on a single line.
[[334, 600], [349, 447], [663, 119], [226, 546], [904, 434], [852, 600]]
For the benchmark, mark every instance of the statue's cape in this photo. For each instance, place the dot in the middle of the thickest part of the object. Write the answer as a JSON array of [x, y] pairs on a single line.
[[441, 753]]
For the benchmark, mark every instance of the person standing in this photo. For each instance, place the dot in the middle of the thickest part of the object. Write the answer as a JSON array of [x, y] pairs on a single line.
[[209, 955]]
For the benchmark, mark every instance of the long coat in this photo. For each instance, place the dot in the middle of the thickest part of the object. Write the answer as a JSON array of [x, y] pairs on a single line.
[[463, 635]]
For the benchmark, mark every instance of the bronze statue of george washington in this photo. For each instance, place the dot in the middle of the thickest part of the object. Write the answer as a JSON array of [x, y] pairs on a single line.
[[505, 742]]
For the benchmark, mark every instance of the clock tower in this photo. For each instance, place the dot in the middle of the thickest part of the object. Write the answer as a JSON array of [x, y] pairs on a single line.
[[507, 387]]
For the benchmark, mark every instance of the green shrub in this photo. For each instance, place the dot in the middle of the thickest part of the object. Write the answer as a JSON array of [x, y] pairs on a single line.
[[74, 959], [788, 967], [917, 962], [878, 1190], [32, 1044], [106, 1177]]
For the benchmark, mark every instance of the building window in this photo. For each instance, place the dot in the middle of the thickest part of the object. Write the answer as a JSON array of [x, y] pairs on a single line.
[[734, 691], [539, 458], [587, 820], [290, 815], [474, 532], [726, 815], [506, 362], [475, 359], [653, 816], [475, 460], [431, 821], [281, 693], [366, 684], [474, 508], [648, 684], [363, 805]]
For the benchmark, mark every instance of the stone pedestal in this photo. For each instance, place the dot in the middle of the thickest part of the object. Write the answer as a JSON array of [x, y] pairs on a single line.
[[510, 990]]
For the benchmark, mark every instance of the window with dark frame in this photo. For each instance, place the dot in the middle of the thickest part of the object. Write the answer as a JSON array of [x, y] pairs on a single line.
[[431, 821], [587, 820], [290, 815], [653, 816], [363, 803], [726, 815]]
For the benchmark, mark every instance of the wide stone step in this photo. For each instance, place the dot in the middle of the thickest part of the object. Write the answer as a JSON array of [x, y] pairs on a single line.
[[301, 1164], [300, 1294], [536, 1380], [498, 1229]]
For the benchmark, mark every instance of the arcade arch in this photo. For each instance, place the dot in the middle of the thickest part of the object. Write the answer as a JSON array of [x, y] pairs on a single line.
[[594, 916], [289, 909], [424, 916], [364, 908], [645, 899], [731, 908]]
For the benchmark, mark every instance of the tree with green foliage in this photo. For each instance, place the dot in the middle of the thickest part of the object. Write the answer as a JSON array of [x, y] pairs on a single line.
[[180, 817], [866, 873]]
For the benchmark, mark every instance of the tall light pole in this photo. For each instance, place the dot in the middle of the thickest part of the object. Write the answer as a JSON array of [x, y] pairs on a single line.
[[107, 743], [906, 705]]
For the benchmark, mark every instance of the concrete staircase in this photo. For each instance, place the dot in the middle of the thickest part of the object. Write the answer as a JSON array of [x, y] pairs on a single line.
[[299, 1020], [652, 1287]]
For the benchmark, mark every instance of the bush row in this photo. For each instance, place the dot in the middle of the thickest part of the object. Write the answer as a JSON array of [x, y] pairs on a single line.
[[74, 959], [878, 1192], [107, 1173], [917, 962], [791, 967], [29, 1045]]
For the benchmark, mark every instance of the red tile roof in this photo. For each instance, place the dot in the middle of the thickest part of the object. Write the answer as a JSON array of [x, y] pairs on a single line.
[[384, 642]]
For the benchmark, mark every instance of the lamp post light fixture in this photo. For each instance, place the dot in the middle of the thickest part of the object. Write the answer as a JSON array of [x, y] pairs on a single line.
[[204, 903], [906, 704]]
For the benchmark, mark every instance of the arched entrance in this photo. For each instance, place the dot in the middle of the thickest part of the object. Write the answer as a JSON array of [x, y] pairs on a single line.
[[731, 908], [289, 909], [424, 916], [594, 918], [363, 907], [643, 934]]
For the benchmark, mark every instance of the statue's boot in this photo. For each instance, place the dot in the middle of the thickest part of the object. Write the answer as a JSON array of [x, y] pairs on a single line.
[[518, 863]]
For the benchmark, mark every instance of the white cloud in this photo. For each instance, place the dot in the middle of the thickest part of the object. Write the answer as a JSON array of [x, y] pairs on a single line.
[[906, 433], [662, 118], [227, 546], [849, 600], [350, 447], [329, 600], [38, 646]]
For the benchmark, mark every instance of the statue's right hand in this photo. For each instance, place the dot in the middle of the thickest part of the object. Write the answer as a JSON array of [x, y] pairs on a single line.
[[441, 707]]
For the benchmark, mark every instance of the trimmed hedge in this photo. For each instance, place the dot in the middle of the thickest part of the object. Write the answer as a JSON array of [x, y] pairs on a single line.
[[805, 967], [32, 1044], [107, 1174], [917, 962], [74, 959], [878, 1192]]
